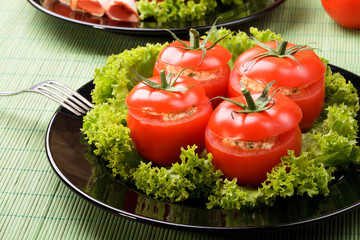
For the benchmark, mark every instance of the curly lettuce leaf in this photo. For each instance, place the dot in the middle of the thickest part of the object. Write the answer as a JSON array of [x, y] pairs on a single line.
[[293, 176], [112, 80], [193, 176], [302, 175], [175, 10], [339, 90], [228, 195], [105, 129], [333, 138], [333, 141]]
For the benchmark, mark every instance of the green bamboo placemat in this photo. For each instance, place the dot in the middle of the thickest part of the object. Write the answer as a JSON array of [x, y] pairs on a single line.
[[34, 203]]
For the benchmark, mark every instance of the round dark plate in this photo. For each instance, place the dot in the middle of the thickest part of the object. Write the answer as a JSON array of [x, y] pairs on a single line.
[[70, 160], [230, 16]]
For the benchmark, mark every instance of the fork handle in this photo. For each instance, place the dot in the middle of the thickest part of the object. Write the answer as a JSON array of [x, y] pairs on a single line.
[[12, 93]]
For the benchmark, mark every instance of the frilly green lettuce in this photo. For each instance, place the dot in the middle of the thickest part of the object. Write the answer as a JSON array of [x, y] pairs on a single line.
[[167, 11], [194, 176], [331, 144], [105, 130], [113, 79], [175, 10]]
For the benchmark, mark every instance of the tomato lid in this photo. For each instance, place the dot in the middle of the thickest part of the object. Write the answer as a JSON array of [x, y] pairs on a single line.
[[283, 116], [149, 99], [308, 67], [214, 57]]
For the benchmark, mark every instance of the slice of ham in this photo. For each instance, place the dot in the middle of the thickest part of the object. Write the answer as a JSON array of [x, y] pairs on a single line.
[[116, 10], [94, 7], [74, 6], [61, 7], [122, 10]]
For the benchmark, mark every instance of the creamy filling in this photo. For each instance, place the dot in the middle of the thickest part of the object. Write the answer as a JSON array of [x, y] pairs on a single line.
[[176, 115], [258, 87], [200, 75], [266, 143]]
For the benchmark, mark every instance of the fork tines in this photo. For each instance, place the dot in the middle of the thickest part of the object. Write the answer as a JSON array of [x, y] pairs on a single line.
[[65, 96]]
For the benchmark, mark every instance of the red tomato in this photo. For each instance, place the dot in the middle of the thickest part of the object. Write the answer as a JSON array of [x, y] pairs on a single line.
[[345, 12], [212, 71], [161, 122], [301, 80], [246, 146]]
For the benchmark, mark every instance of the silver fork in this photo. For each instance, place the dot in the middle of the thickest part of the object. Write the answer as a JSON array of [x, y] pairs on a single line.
[[60, 93]]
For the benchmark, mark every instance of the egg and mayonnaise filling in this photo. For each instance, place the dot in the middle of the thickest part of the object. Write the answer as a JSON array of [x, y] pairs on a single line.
[[199, 75], [264, 144], [258, 87], [175, 115]]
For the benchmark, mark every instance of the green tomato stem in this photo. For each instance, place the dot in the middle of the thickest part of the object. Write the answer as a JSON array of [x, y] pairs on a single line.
[[282, 48], [163, 79], [248, 98], [194, 39], [262, 103], [281, 51]]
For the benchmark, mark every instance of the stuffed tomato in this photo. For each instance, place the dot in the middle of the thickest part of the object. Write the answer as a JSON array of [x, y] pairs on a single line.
[[247, 138], [298, 71], [166, 113], [208, 62]]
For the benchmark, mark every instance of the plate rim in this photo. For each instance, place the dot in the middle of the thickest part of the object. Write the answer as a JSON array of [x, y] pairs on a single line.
[[161, 31], [148, 220]]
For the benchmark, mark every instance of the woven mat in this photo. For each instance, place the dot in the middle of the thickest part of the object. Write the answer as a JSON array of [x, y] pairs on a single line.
[[34, 202]]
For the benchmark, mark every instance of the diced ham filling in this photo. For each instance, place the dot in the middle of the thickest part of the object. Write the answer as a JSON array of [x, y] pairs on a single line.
[[267, 143], [258, 87]]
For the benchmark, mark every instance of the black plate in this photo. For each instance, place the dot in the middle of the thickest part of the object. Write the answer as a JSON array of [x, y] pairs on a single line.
[[68, 158], [230, 16]]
